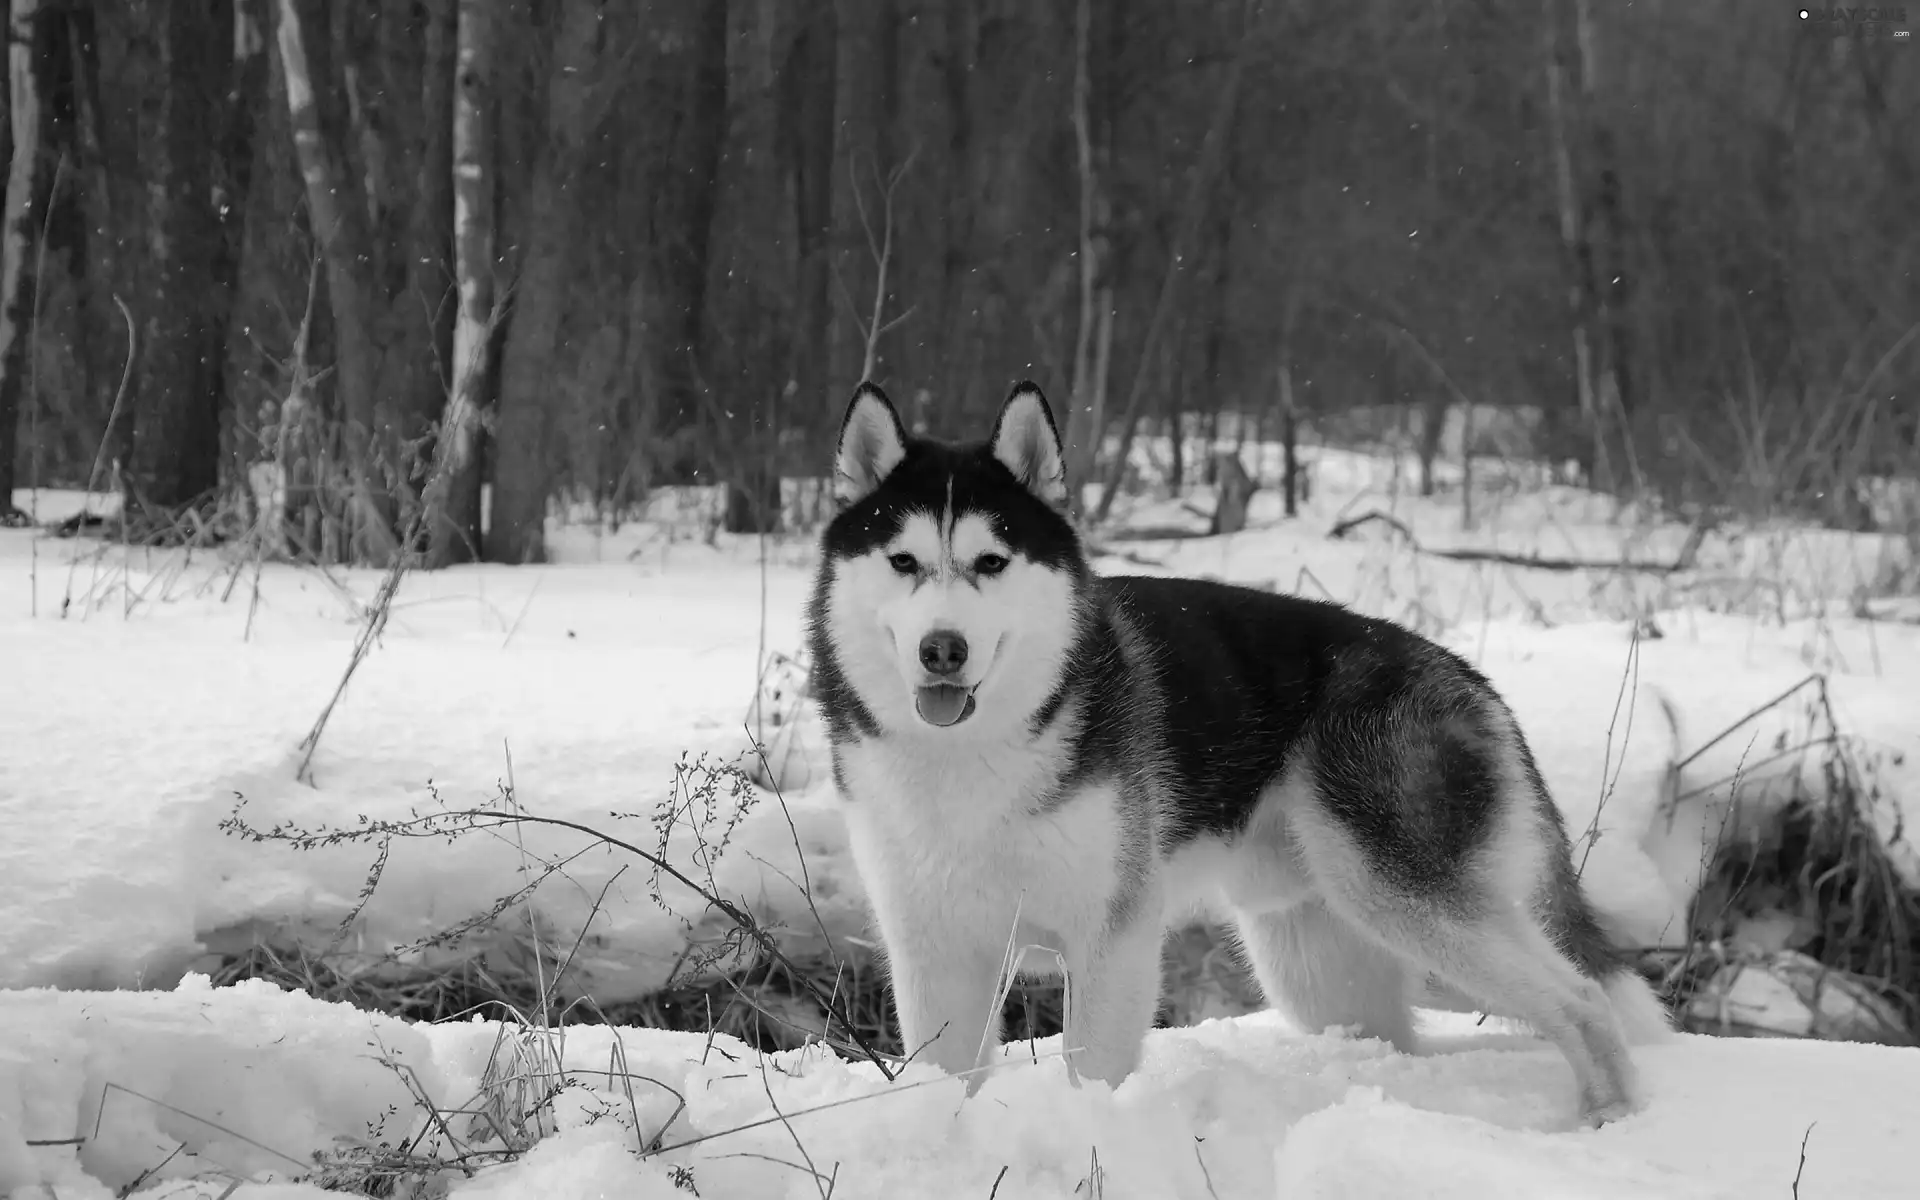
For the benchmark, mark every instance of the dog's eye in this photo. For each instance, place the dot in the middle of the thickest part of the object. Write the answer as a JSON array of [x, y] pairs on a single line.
[[906, 564], [990, 564]]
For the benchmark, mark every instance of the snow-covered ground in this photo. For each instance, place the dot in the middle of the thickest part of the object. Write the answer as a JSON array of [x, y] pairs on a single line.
[[249, 1082], [173, 688]]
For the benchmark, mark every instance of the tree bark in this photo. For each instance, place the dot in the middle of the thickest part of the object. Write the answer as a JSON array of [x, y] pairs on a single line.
[[522, 474], [427, 311], [748, 335], [18, 229], [689, 77], [1085, 406], [808, 87], [1608, 239], [1580, 289], [455, 534], [1193, 213], [339, 221]]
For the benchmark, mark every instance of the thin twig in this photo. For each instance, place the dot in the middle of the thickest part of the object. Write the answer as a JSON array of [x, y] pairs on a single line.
[[436, 825], [1797, 1171]]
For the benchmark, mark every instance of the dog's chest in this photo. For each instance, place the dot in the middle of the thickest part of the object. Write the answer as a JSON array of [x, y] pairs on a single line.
[[980, 831]]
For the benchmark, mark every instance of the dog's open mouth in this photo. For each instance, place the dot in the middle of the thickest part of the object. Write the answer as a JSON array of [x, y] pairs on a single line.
[[943, 703]]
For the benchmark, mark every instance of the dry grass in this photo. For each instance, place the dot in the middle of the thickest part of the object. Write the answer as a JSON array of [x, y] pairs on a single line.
[[1815, 864]]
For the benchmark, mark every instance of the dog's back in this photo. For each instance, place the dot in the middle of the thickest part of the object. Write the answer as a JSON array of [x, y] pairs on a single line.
[[1412, 751]]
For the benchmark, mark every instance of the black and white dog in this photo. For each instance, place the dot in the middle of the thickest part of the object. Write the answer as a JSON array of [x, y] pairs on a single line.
[[1030, 754]]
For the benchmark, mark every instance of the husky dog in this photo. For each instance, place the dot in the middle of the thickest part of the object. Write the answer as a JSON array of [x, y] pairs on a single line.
[[1033, 755]]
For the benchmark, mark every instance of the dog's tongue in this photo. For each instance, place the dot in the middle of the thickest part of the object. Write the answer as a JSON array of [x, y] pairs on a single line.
[[944, 704]]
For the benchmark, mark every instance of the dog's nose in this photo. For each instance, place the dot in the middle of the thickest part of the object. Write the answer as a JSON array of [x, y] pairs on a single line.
[[943, 652]]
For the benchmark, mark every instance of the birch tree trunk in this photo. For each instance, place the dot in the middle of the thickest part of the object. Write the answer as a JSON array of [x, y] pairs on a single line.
[[455, 535], [339, 225], [17, 230]]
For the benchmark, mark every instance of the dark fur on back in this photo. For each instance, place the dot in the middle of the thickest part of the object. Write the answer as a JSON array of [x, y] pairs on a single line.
[[1399, 727]]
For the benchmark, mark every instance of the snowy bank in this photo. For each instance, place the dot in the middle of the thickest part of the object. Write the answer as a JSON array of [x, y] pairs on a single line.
[[597, 686], [242, 1083]]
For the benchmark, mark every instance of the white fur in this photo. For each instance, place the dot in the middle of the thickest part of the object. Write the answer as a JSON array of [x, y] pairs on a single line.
[[962, 844], [1025, 440], [1643, 1019]]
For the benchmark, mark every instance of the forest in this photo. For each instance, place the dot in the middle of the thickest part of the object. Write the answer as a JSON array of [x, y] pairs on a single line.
[[348, 268]]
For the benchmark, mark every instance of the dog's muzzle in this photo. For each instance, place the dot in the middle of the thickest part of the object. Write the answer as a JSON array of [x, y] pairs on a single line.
[[943, 653]]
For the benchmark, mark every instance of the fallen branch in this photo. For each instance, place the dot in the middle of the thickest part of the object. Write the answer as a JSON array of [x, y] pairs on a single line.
[[1683, 560], [1347, 526]]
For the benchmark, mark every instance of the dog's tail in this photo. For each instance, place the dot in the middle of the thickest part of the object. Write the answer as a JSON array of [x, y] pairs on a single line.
[[1571, 921], [1644, 1020]]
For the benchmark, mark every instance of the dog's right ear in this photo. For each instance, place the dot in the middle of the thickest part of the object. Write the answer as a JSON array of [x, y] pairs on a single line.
[[872, 443]]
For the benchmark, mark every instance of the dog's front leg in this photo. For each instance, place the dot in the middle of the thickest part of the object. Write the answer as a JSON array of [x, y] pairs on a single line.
[[945, 992], [1113, 990]]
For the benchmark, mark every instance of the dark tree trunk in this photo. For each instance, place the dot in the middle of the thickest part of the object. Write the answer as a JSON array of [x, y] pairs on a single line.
[[808, 91], [406, 128], [338, 216], [234, 167], [690, 80], [748, 336], [19, 230], [163, 139], [522, 476]]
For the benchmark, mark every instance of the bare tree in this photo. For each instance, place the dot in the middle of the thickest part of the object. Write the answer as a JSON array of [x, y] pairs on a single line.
[[339, 225], [1582, 289], [1193, 212], [523, 470], [456, 534], [876, 326], [17, 231], [1087, 403]]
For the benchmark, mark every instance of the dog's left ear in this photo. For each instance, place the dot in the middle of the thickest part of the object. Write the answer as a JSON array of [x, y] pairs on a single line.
[[872, 443], [1026, 441]]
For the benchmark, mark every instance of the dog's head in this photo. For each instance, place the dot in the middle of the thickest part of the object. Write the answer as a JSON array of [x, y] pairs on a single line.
[[951, 580]]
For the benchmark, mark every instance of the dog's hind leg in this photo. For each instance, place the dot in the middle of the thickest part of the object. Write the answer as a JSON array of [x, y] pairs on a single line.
[[1321, 971], [1491, 947]]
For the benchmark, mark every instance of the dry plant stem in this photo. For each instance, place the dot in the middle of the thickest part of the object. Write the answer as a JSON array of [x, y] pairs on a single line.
[[822, 1183], [533, 929], [100, 455], [1801, 1169], [108, 1089], [793, 831], [1629, 692], [1813, 680], [435, 825]]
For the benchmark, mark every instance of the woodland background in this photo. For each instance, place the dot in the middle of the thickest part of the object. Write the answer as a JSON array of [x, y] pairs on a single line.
[[354, 261]]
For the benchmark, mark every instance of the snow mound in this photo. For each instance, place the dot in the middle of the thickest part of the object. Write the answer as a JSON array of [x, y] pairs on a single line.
[[205, 1088]]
